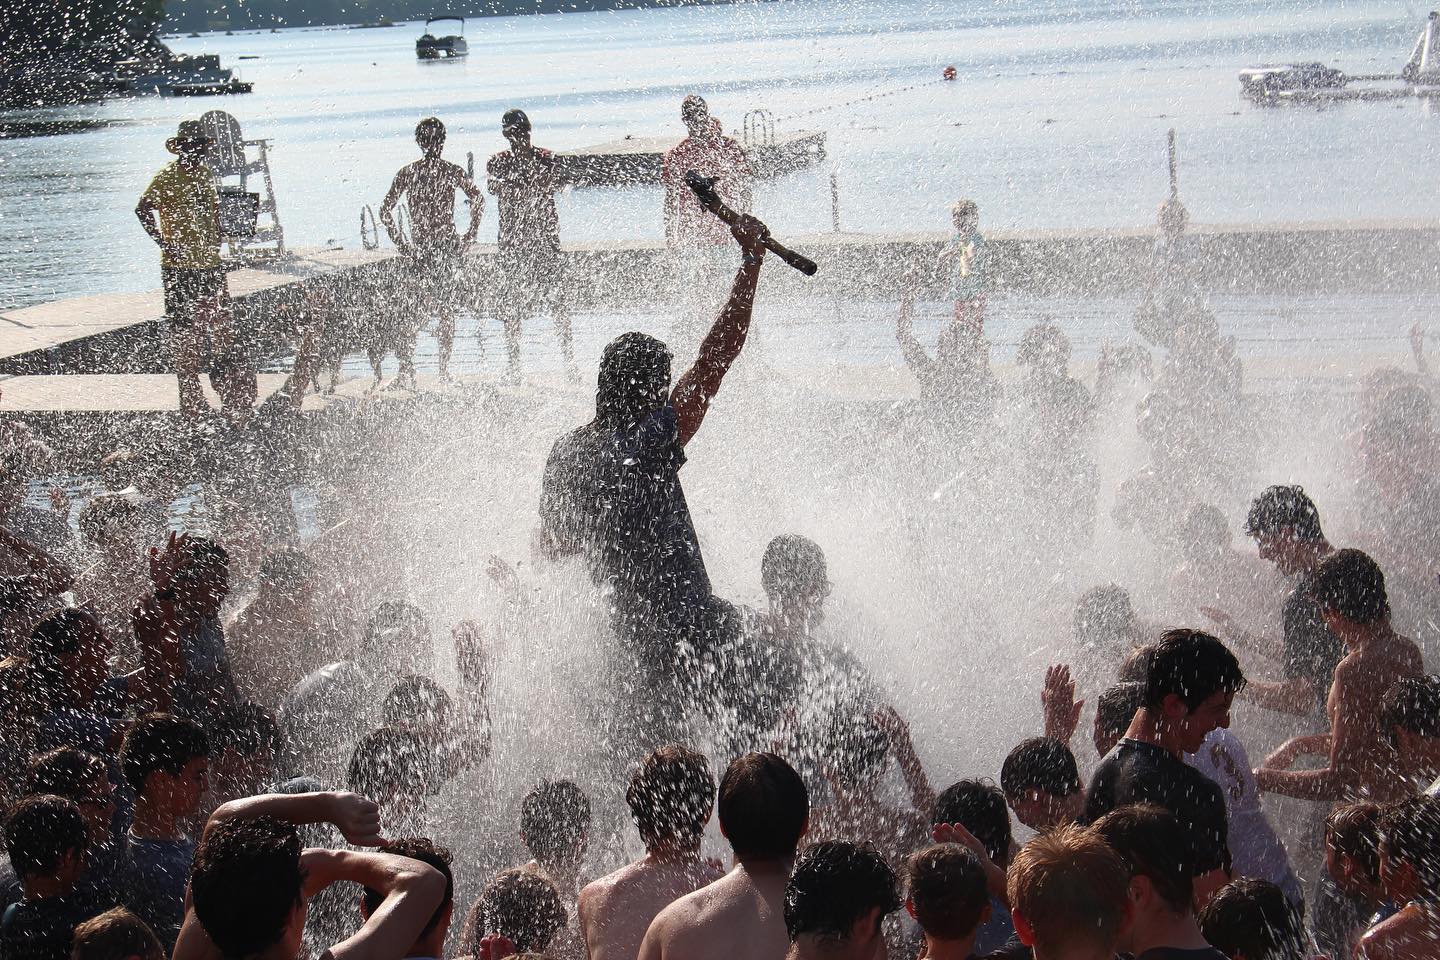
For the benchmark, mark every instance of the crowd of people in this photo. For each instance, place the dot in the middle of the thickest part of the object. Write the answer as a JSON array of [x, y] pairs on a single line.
[[184, 775]]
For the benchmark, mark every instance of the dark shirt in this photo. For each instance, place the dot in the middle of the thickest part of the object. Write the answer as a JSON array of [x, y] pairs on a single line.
[[526, 199], [1136, 772], [1311, 650], [42, 929], [615, 496], [1171, 953], [155, 884]]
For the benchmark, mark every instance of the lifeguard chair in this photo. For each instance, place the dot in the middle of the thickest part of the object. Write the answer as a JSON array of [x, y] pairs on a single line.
[[248, 218]]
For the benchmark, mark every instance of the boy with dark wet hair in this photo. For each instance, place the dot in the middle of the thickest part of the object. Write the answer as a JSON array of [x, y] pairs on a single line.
[[166, 761], [1255, 920], [949, 897], [979, 807], [523, 908], [1162, 888], [1349, 590], [1042, 784], [117, 934], [1285, 525], [434, 252], [555, 828], [671, 796], [431, 941], [837, 900], [1114, 711], [1350, 893], [252, 880], [1191, 678], [764, 810], [1069, 893], [46, 838], [1410, 715], [1410, 873]]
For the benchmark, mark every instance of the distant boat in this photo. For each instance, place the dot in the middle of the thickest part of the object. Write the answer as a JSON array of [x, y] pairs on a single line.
[[433, 47], [182, 76]]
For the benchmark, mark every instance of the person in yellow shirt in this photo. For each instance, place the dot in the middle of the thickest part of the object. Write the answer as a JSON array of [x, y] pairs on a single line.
[[181, 212]]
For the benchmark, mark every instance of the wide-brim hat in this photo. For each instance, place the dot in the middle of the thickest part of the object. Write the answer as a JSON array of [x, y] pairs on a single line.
[[188, 130]]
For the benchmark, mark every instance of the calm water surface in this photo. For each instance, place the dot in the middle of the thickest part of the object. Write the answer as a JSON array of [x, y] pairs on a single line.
[[1057, 119]]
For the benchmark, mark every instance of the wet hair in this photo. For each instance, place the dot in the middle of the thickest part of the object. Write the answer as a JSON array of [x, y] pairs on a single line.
[[1136, 665], [979, 806], [835, 883], [247, 728], [1145, 837], [417, 701], [60, 634], [793, 565], [692, 103], [948, 890], [1043, 342], [245, 881], [1412, 704], [160, 742], [1354, 831], [1254, 918], [116, 934], [40, 831], [554, 818], [424, 850], [671, 796], [1040, 763], [515, 119], [1205, 526], [521, 906], [1410, 835], [1193, 666], [634, 379], [206, 554], [763, 807], [856, 747], [1070, 884], [430, 133], [965, 207], [1279, 509], [395, 620], [1117, 706], [389, 762], [64, 772], [1352, 585], [1104, 618]]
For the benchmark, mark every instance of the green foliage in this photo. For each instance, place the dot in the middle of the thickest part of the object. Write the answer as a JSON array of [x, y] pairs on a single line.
[[34, 27]]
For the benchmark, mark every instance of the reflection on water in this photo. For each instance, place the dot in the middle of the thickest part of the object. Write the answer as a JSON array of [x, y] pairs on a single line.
[[1057, 119]]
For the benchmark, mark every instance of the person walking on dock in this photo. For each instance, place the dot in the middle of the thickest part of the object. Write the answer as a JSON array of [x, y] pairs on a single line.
[[184, 197], [434, 250], [699, 243], [524, 180]]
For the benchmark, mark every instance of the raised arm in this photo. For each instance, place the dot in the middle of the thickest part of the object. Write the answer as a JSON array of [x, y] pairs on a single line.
[[47, 575], [357, 819], [1348, 745], [412, 892], [477, 206], [693, 393]]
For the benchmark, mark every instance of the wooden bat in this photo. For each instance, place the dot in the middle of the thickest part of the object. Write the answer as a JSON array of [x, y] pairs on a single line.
[[704, 188]]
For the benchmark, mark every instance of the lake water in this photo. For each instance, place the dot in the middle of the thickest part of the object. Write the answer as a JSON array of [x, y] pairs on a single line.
[[1057, 119]]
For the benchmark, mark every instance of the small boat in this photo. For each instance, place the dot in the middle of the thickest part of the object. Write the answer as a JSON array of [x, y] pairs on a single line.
[[1268, 82], [202, 88], [433, 47], [184, 76]]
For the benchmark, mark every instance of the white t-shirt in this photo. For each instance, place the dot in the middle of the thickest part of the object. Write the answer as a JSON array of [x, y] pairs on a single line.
[[1256, 850]]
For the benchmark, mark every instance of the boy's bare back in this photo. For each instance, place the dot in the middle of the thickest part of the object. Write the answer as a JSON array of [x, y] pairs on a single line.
[[739, 915], [616, 910]]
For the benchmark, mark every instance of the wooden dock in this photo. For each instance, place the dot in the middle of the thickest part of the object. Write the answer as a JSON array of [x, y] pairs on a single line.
[[635, 160]]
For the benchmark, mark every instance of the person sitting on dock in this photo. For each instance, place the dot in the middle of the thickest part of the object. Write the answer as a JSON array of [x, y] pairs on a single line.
[[524, 179], [434, 250], [184, 196], [957, 386], [965, 258], [699, 241]]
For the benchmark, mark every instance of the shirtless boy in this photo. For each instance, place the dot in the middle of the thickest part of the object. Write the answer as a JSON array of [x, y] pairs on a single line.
[[671, 796], [764, 810]]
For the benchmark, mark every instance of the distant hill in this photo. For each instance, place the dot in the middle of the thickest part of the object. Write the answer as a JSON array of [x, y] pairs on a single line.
[[192, 15]]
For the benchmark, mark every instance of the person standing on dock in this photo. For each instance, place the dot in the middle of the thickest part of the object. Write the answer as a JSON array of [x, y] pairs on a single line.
[[965, 259], [184, 197], [524, 180], [699, 243], [434, 250]]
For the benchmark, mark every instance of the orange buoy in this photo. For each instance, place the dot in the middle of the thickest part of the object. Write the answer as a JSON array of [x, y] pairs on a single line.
[[948, 73]]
